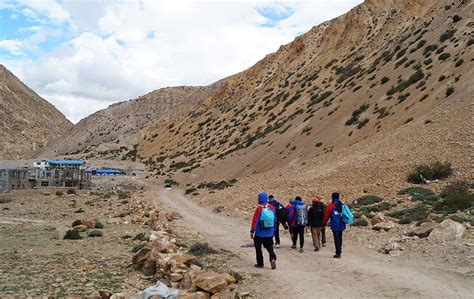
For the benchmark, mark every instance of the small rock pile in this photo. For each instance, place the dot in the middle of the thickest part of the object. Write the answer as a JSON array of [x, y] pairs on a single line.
[[160, 258]]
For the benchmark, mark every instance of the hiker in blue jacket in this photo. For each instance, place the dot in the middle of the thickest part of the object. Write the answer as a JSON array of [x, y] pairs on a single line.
[[298, 219], [334, 212], [263, 229]]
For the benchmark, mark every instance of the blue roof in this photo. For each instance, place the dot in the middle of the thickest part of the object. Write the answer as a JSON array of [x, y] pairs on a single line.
[[108, 171], [66, 162]]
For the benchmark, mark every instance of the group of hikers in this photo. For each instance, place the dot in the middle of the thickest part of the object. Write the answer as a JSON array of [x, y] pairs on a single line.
[[296, 216]]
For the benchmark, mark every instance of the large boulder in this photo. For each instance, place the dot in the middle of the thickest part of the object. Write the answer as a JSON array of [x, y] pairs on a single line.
[[210, 282], [187, 283], [386, 226], [448, 230], [421, 231]]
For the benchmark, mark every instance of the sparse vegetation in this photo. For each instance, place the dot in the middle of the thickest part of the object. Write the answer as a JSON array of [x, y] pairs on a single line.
[[449, 91], [459, 62], [200, 249], [444, 56], [5, 199], [72, 235], [447, 35], [404, 84], [384, 80], [367, 200], [410, 215], [71, 191], [360, 222], [434, 171], [455, 197], [59, 193], [356, 113]]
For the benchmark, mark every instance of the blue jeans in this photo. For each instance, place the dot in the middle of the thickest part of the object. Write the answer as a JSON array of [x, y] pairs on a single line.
[[338, 241]]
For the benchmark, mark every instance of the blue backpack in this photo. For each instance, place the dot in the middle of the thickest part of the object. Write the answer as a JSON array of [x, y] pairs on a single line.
[[267, 217], [347, 216]]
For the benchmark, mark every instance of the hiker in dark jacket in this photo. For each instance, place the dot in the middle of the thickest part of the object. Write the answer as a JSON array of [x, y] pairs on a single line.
[[262, 235], [279, 214], [334, 212], [315, 222], [297, 229]]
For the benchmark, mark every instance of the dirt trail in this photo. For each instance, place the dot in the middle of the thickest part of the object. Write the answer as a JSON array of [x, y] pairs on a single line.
[[364, 272]]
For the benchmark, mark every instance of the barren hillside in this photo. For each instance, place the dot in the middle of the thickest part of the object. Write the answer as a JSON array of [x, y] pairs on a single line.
[[113, 132], [27, 121], [359, 99]]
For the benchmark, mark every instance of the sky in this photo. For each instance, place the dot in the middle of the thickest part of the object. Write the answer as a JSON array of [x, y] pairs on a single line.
[[83, 55]]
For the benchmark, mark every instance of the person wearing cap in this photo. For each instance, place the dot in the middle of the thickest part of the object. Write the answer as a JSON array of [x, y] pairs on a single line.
[[334, 212], [315, 222], [262, 235]]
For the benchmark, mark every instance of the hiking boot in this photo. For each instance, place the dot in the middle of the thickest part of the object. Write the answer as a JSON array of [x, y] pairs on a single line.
[[293, 246], [324, 244], [316, 249], [258, 266], [277, 245], [301, 250], [273, 263], [337, 256]]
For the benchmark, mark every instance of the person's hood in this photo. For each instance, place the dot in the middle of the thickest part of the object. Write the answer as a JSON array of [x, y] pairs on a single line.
[[315, 200], [262, 198], [335, 201], [292, 201], [298, 202]]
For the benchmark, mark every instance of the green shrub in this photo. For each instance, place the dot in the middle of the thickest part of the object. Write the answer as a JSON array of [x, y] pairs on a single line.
[[362, 123], [59, 193], [141, 237], [383, 206], [123, 195], [200, 249], [455, 196], [421, 194], [409, 215], [360, 222], [319, 144], [433, 171], [72, 235], [71, 191], [367, 200], [95, 233], [98, 224], [6, 199], [459, 62], [384, 80], [76, 222], [447, 35], [404, 84], [444, 56], [449, 91]]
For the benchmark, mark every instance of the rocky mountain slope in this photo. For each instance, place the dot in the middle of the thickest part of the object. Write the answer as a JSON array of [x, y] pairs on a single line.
[[113, 132], [27, 121], [358, 100]]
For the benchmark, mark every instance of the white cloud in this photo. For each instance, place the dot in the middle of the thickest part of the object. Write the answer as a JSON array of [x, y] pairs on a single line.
[[120, 50], [12, 46]]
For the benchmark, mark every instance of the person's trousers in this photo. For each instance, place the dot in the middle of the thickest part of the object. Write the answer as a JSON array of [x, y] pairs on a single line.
[[277, 233], [323, 235], [297, 231], [338, 241], [268, 244], [316, 235]]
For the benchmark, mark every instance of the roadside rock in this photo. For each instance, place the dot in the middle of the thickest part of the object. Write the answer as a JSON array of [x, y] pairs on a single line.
[[60, 232], [380, 217], [211, 282], [149, 258], [187, 283], [391, 247], [448, 230], [197, 295], [386, 226], [229, 278], [421, 231]]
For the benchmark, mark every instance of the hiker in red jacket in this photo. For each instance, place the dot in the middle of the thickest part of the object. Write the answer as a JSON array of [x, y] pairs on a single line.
[[263, 230], [334, 212]]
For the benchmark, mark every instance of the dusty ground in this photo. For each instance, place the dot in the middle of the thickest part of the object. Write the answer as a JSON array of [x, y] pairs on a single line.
[[423, 269]]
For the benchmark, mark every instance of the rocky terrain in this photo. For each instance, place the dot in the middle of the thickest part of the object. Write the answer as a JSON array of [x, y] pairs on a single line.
[[27, 121], [393, 94], [113, 133]]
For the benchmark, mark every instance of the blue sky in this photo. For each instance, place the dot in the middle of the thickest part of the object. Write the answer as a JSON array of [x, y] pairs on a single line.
[[85, 55]]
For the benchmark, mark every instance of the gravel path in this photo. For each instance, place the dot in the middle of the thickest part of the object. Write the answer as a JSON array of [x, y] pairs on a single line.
[[361, 272]]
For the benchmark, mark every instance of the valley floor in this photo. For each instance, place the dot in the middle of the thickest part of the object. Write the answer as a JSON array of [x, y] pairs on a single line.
[[362, 272]]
